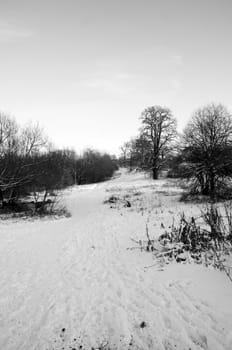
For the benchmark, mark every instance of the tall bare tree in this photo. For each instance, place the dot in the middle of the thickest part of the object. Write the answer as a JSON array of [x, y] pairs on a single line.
[[208, 147], [159, 128]]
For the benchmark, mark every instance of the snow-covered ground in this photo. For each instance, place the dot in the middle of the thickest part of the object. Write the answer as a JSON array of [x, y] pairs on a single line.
[[72, 283]]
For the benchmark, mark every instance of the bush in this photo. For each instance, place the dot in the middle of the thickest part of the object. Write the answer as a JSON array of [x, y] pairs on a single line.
[[208, 242]]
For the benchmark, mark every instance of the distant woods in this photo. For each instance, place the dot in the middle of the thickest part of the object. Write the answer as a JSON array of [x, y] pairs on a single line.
[[202, 154], [29, 165]]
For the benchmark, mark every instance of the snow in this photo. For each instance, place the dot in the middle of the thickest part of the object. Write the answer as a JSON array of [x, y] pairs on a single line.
[[73, 282]]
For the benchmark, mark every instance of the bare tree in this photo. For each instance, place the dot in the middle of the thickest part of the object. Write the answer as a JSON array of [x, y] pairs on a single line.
[[124, 150], [208, 147], [32, 139], [8, 134], [159, 128], [142, 151], [8, 148], [17, 145]]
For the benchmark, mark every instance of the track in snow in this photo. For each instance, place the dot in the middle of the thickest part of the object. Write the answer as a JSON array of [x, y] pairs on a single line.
[[72, 282]]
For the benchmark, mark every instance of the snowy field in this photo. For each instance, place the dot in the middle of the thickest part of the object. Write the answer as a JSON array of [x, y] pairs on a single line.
[[73, 284]]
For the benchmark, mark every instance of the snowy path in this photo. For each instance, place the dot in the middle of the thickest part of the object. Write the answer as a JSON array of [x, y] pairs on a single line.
[[72, 282]]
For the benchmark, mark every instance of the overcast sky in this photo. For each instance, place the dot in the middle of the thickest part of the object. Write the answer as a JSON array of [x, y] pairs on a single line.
[[85, 69]]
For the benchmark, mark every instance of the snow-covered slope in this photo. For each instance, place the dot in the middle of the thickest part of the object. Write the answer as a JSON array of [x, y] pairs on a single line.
[[72, 283]]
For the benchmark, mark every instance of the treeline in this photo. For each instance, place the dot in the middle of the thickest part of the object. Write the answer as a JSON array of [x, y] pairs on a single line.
[[202, 154], [30, 165]]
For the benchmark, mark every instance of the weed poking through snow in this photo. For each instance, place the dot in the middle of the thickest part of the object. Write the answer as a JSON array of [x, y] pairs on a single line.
[[208, 243]]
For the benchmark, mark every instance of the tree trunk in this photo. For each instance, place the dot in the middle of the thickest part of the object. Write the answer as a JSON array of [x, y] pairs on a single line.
[[208, 185], [155, 173], [155, 167], [12, 196], [205, 190], [1, 199], [131, 163], [212, 185]]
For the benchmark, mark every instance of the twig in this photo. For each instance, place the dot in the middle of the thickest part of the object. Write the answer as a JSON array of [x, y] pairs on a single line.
[[134, 240], [148, 267], [132, 248], [222, 265]]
